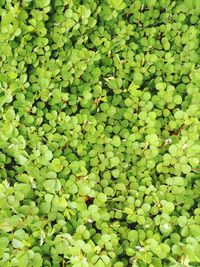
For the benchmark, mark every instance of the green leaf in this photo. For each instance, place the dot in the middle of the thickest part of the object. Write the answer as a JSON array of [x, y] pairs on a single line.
[[114, 161], [102, 197], [182, 220], [118, 5], [152, 139], [23, 260], [37, 260], [132, 235], [185, 168], [116, 141], [17, 243], [161, 86], [195, 230], [48, 155], [20, 235], [42, 3], [56, 165], [165, 227], [49, 186], [21, 159]]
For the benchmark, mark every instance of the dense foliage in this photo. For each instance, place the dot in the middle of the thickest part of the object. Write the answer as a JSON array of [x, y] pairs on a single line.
[[99, 133]]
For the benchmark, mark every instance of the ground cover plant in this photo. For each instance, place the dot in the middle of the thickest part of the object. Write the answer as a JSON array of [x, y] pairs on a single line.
[[99, 133]]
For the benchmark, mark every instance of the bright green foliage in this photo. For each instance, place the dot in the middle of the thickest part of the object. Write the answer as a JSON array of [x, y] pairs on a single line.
[[99, 133]]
